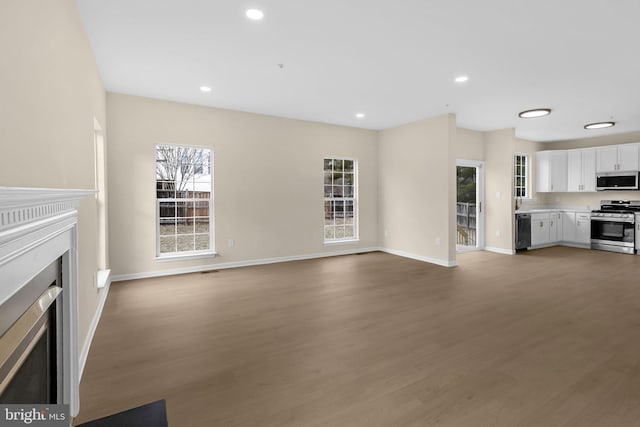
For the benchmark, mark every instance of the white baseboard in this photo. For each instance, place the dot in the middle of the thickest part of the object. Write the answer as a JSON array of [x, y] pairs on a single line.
[[248, 263], [576, 245], [92, 328], [440, 262], [500, 250]]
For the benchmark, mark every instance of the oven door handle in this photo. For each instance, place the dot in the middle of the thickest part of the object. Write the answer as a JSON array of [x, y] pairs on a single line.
[[606, 219]]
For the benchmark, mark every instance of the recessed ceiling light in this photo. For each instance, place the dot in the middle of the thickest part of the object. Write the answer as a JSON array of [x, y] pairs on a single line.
[[360, 115], [461, 79], [538, 112], [599, 125], [255, 14], [205, 88]]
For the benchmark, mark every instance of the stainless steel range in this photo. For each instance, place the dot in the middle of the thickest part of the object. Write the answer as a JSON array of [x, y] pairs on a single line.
[[613, 226]]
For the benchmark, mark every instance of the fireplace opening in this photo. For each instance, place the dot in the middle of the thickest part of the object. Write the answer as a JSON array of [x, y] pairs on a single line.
[[30, 344]]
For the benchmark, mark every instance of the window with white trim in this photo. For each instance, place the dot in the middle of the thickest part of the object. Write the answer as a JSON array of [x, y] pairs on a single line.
[[184, 200], [340, 200], [101, 194], [521, 176]]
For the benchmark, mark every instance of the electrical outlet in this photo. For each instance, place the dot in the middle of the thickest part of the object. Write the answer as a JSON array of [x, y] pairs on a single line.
[[231, 243], [498, 233], [437, 241], [386, 232], [498, 195]]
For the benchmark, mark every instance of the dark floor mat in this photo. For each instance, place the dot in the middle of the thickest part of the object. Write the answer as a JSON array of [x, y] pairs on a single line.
[[152, 414]]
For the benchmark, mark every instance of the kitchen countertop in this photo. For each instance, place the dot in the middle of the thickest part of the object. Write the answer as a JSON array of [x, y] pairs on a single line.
[[530, 210]]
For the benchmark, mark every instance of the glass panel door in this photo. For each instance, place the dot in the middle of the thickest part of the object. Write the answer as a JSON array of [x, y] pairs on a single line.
[[468, 206]]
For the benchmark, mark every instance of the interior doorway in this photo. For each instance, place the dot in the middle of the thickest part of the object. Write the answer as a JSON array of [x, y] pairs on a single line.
[[469, 205]]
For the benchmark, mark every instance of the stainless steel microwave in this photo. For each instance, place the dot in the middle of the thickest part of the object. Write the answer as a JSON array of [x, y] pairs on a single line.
[[617, 180]]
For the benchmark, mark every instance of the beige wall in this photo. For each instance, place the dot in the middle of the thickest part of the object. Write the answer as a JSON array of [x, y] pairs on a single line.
[[268, 179], [499, 149], [522, 146], [417, 188], [469, 144], [51, 92]]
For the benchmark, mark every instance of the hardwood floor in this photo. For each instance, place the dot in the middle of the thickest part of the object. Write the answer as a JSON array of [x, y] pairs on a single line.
[[546, 338]]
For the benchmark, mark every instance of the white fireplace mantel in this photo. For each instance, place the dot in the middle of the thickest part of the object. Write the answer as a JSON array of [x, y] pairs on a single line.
[[38, 226], [23, 205]]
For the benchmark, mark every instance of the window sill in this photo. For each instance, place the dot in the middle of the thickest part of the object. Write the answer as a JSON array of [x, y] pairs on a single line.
[[340, 242], [185, 256], [103, 277]]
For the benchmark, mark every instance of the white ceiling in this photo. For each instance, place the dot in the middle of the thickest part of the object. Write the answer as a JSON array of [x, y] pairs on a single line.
[[393, 60]]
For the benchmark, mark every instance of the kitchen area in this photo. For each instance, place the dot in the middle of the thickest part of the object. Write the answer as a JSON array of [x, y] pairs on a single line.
[[587, 199]]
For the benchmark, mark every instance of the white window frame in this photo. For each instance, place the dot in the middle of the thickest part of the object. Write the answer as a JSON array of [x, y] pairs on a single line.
[[354, 199], [102, 276], [207, 253], [527, 172]]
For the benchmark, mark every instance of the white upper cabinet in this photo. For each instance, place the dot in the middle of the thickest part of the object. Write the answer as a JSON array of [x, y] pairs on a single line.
[[607, 159], [581, 173], [551, 171], [589, 170], [617, 158], [575, 170], [628, 157]]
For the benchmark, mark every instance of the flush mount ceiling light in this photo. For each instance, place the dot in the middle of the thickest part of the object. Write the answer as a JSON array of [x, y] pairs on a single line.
[[360, 115], [461, 79], [254, 14], [205, 88], [538, 112], [599, 125]]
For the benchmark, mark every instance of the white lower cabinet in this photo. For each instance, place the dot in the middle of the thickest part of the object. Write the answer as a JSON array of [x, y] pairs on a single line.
[[540, 234], [555, 227], [549, 228], [576, 227], [583, 228], [568, 226]]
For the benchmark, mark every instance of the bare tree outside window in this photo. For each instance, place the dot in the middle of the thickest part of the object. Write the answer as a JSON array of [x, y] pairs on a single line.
[[184, 199], [177, 166]]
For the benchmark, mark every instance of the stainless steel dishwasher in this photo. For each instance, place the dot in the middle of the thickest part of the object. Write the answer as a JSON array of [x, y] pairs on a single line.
[[523, 231]]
